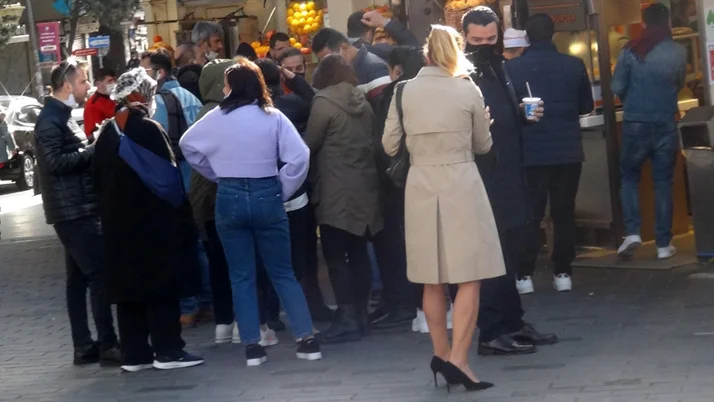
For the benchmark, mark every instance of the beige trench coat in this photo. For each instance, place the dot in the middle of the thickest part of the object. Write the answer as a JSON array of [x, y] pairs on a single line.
[[451, 234]]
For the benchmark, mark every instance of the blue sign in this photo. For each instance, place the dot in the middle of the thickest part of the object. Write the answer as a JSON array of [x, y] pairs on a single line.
[[99, 42]]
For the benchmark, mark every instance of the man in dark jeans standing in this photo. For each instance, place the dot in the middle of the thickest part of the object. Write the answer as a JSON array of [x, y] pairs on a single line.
[[553, 148], [70, 204], [649, 74]]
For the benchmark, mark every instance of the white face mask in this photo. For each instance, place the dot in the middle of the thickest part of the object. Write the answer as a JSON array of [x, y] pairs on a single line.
[[110, 88], [71, 102], [211, 55]]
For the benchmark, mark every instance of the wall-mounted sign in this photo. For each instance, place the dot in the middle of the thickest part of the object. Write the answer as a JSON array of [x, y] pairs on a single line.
[[48, 37], [99, 42], [568, 15], [85, 52]]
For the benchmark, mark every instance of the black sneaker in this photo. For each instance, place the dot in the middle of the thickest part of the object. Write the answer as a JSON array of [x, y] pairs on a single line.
[[181, 360], [255, 355], [309, 349], [88, 354]]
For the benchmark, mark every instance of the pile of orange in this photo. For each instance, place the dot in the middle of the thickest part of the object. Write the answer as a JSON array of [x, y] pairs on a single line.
[[304, 18]]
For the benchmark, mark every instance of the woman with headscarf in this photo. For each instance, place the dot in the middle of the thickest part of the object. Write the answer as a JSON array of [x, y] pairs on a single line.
[[149, 236]]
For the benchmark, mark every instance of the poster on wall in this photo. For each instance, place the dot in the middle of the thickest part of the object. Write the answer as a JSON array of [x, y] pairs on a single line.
[[710, 64], [48, 37]]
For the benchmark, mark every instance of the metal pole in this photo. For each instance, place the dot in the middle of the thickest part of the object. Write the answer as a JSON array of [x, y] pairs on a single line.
[[32, 29]]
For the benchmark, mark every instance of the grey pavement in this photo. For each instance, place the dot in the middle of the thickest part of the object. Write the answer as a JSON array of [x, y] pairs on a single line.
[[626, 336]]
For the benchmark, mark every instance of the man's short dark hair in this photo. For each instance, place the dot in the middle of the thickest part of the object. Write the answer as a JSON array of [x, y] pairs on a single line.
[[247, 51], [289, 52], [355, 27], [540, 28], [656, 15], [481, 15], [161, 60], [278, 37], [145, 55], [61, 73], [270, 70], [103, 73], [328, 38]]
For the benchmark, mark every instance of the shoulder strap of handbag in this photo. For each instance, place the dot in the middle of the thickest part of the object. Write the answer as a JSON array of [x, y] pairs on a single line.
[[400, 111], [120, 119]]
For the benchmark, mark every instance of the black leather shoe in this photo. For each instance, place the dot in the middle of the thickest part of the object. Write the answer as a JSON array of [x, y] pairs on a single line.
[[320, 312], [393, 318], [87, 354], [529, 334], [345, 326], [110, 357], [505, 345]]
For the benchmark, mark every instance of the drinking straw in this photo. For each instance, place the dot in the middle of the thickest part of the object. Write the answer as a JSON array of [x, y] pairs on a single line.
[[530, 94]]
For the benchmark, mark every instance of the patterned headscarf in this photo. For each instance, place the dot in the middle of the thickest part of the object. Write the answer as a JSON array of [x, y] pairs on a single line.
[[135, 80]]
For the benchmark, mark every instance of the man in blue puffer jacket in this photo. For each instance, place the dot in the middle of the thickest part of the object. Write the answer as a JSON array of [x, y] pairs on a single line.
[[552, 148]]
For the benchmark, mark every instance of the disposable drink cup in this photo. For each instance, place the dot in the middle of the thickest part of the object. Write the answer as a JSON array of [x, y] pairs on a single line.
[[530, 105]]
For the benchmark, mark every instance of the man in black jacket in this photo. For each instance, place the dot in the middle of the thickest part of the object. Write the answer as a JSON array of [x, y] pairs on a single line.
[[502, 329], [362, 25], [70, 204], [553, 148]]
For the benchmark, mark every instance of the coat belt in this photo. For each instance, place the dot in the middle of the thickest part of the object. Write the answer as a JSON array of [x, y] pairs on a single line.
[[441, 159]]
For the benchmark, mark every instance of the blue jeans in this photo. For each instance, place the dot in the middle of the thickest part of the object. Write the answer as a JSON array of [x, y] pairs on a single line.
[[250, 217], [658, 142], [190, 305]]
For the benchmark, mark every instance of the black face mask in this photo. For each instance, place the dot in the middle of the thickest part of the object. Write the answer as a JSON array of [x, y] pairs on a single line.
[[301, 74], [481, 53]]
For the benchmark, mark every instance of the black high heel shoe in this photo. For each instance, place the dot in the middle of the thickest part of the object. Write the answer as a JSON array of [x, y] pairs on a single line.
[[437, 366], [454, 376]]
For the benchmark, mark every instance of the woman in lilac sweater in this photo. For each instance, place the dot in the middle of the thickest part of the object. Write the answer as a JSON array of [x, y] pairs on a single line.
[[238, 144]]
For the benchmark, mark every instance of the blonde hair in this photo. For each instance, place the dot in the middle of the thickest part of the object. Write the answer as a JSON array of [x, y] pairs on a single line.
[[444, 50]]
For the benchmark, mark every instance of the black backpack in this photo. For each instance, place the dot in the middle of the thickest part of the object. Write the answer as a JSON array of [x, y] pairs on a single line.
[[177, 121]]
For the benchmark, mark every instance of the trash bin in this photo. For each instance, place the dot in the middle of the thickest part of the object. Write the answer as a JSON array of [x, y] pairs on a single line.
[[696, 132]]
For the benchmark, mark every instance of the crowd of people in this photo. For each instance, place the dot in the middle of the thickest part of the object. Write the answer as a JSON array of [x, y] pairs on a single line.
[[205, 184]]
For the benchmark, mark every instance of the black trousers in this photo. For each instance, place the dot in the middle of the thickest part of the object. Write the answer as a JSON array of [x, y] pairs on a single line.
[[158, 320], [501, 312], [390, 250], [219, 277], [84, 259], [348, 264], [559, 184]]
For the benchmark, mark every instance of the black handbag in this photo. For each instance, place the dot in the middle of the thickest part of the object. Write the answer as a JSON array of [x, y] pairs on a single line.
[[399, 164]]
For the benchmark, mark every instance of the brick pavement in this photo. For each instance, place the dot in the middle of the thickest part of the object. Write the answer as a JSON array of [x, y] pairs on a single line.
[[627, 336]]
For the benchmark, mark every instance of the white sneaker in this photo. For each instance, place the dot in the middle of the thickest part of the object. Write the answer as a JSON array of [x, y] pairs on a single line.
[[236, 334], [664, 253], [224, 333], [525, 285], [136, 367], [267, 337], [628, 247], [562, 283], [450, 317], [419, 323]]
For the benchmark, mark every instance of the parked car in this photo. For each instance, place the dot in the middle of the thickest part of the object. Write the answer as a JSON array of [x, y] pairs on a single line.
[[21, 114]]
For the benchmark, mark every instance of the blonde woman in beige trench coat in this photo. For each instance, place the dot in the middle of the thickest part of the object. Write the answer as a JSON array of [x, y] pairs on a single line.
[[451, 234]]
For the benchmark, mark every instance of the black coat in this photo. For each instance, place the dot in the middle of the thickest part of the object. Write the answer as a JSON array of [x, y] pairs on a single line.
[[502, 168], [64, 164], [563, 84], [150, 246], [398, 32]]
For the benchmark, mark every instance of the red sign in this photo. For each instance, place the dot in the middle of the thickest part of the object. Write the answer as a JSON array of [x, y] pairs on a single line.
[[711, 63], [48, 34], [84, 52]]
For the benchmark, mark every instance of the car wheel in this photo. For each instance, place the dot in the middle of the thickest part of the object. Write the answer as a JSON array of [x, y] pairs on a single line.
[[27, 180]]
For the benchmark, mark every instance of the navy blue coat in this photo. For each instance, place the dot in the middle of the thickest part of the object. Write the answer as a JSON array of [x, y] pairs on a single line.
[[502, 168], [563, 84]]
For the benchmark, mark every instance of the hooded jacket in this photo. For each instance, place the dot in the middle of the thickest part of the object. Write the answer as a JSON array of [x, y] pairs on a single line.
[[344, 177], [203, 191]]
